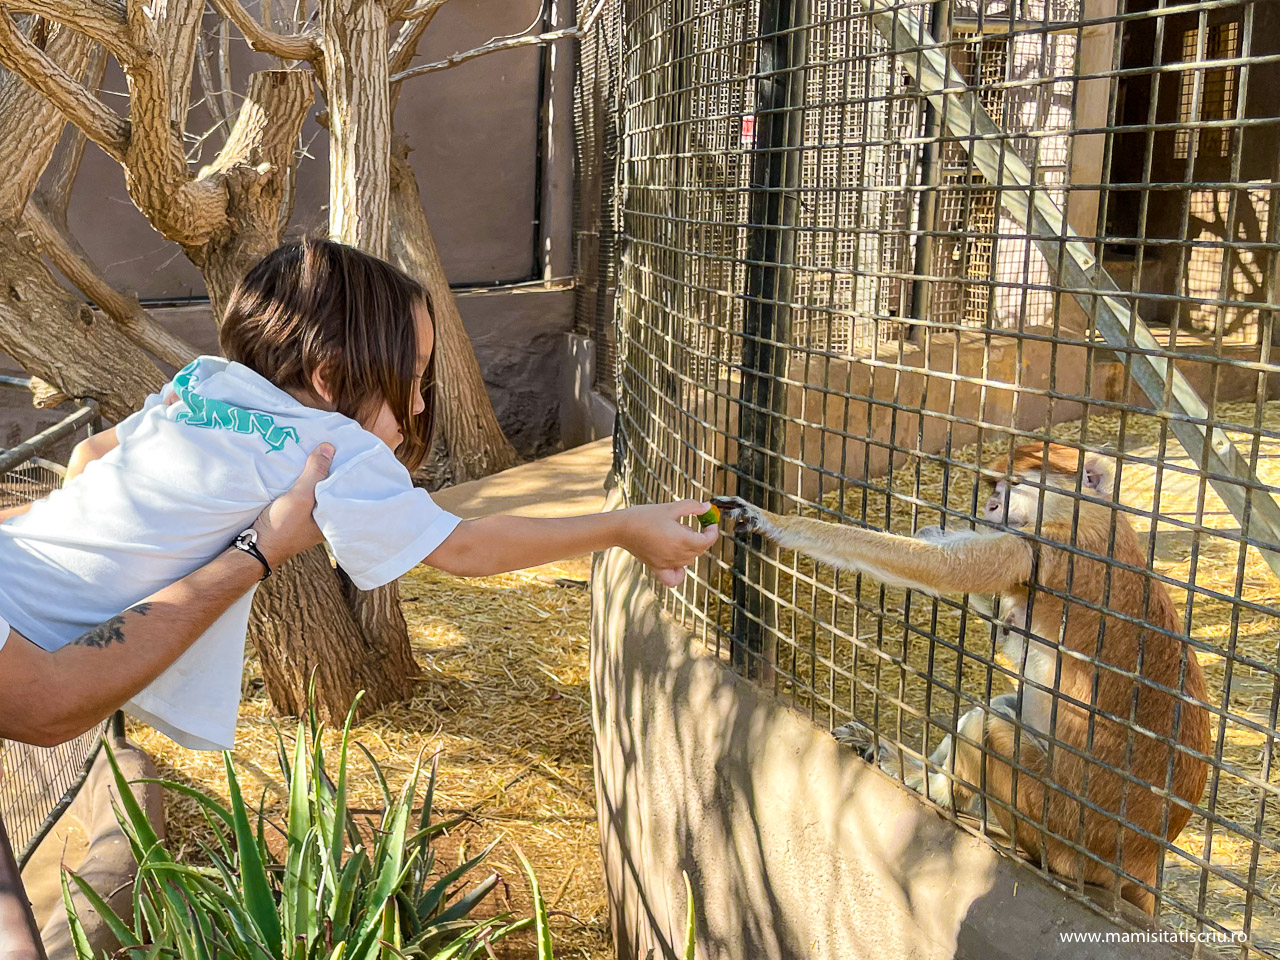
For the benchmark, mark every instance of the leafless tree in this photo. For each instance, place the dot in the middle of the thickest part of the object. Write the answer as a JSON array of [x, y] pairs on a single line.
[[224, 215]]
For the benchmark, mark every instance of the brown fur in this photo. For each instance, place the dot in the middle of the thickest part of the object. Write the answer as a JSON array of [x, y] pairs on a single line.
[[1033, 457], [1116, 650], [1166, 662]]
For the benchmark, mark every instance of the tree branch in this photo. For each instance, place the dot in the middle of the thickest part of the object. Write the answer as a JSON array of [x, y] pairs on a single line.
[[60, 175], [254, 165], [53, 335], [157, 177], [414, 11], [505, 43], [30, 124], [100, 20], [101, 124], [403, 50], [135, 322], [297, 46]]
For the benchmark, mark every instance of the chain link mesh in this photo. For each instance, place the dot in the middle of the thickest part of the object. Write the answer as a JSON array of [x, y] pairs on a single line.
[[837, 295]]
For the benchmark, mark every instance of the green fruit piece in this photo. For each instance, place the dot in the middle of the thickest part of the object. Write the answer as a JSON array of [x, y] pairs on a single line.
[[710, 518]]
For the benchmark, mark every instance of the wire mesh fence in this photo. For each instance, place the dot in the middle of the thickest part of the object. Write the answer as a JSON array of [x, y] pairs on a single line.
[[596, 98], [37, 784], [867, 248]]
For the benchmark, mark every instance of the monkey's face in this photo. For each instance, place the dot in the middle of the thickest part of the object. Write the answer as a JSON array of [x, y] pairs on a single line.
[[1017, 501], [1009, 503]]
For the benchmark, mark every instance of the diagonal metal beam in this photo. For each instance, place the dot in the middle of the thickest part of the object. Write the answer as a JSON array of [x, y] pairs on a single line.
[[1081, 275]]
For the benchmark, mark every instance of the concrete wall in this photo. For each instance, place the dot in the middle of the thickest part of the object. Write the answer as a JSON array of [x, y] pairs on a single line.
[[585, 414], [518, 337], [795, 848]]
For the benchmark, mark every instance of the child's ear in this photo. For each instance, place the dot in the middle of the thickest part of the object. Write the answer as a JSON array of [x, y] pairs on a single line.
[[320, 385], [1098, 476]]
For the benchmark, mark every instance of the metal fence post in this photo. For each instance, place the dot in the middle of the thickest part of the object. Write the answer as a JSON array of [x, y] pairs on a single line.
[[930, 175], [766, 327]]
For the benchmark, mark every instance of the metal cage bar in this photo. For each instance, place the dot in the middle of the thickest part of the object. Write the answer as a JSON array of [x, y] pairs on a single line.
[[998, 223]]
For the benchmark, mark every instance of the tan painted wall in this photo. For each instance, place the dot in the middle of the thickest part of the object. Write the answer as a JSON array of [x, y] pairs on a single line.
[[474, 130], [795, 848]]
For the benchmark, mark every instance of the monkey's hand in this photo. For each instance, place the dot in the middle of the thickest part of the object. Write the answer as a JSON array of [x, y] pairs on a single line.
[[746, 517], [860, 737]]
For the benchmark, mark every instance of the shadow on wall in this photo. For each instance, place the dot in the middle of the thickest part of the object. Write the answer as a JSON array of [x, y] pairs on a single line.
[[795, 848]]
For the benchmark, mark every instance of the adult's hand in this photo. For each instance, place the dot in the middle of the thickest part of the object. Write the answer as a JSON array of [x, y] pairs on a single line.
[[48, 697], [286, 527]]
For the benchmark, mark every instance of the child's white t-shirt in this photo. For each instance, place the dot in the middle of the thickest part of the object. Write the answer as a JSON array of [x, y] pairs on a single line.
[[184, 480]]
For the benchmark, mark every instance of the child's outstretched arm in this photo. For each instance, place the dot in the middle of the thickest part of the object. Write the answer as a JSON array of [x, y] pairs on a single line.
[[654, 534]]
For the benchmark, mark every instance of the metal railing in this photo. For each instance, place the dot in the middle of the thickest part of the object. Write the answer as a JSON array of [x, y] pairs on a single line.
[[864, 248], [37, 784]]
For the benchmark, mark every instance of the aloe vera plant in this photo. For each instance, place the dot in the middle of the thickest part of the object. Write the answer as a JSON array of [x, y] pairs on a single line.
[[333, 895]]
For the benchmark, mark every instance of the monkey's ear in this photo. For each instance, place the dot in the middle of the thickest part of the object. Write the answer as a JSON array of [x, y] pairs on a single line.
[[1099, 475]]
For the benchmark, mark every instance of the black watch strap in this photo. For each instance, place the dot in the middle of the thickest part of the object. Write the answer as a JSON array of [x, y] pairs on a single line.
[[248, 542]]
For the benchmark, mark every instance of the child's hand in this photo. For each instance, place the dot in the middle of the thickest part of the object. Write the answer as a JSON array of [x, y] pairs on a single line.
[[657, 538]]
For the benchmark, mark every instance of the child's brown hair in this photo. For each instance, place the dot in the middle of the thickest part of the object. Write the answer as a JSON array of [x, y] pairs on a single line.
[[315, 305]]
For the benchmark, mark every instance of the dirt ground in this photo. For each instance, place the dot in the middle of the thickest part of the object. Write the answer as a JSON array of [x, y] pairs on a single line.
[[510, 720], [503, 698]]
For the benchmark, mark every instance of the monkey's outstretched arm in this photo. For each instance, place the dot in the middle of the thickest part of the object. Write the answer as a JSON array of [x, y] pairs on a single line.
[[966, 562]]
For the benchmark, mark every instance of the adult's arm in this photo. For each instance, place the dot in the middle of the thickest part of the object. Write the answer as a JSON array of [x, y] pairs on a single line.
[[48, 697]]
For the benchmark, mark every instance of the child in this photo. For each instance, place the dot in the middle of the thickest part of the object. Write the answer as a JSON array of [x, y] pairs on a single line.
[[324, 344]]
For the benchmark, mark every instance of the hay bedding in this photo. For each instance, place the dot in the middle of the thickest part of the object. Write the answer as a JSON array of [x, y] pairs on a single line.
[[504, 693], [868, 651], [504, 698]]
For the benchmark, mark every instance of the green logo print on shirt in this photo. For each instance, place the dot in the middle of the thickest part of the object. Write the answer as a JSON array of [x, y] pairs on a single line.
[[220, 415]]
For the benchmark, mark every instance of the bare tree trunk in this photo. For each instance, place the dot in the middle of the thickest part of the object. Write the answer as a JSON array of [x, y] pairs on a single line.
[[304, 622], [135, 322], [59, 177], [354, 40], [52, 335], [474, 444], [255, 165], [30, 125], [302, 627], [310, 617], [45, 218], [57, 338]]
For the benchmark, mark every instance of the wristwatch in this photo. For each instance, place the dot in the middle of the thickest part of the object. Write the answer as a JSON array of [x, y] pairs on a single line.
[[248, 542]]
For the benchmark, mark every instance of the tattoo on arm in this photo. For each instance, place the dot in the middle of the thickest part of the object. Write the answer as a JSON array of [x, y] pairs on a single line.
[[112, 631]]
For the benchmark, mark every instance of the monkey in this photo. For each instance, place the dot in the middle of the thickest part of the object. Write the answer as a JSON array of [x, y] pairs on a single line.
[[1106, 681]]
